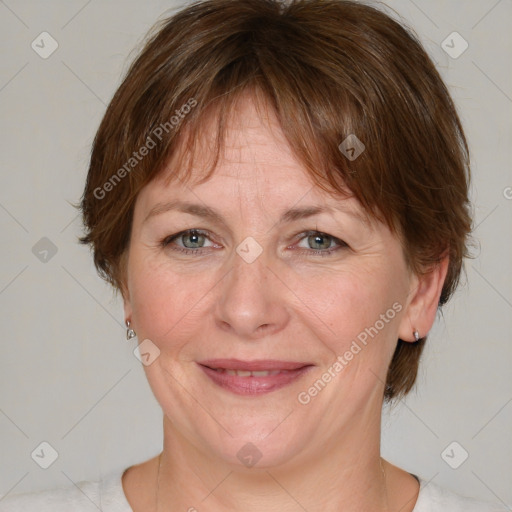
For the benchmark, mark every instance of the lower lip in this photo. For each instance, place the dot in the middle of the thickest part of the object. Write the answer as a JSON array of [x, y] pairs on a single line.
[[254, 385]]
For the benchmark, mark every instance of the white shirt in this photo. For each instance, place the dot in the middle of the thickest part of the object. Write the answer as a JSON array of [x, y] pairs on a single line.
[[107, 495]]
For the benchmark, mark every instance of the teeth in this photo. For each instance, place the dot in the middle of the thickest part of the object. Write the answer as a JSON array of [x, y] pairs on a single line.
[[245, 373], [263, 373]]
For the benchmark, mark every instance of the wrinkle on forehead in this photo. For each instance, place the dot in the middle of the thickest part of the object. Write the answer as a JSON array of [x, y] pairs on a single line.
[[194, 149], [252, 138]]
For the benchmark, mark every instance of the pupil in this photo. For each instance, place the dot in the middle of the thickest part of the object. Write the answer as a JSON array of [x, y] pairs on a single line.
[[318, 239], [195, 239]]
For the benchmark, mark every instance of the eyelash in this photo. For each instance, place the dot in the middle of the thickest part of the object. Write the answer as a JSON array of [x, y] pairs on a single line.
[[198, 252]]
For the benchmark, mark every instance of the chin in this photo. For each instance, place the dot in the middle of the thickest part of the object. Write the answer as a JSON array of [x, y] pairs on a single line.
[[250, 453]]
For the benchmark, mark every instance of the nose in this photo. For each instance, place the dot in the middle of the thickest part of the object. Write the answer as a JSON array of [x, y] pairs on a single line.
[[252, 300]]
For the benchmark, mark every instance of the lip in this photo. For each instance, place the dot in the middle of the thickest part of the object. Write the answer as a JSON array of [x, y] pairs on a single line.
[[290, 371], [253, 366]]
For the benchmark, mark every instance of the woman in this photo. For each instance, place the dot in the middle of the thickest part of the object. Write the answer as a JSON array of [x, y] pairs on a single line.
[[279, 190]]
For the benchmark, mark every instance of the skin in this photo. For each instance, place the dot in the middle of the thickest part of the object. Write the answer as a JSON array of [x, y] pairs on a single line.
[[289, 304]]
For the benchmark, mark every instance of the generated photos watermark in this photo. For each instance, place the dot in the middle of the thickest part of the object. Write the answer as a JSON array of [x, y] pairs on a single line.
[[357, 345], [151, 142]]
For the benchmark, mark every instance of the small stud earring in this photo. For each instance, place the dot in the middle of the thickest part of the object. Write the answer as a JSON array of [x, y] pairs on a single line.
[[130, 333], [416, 335]]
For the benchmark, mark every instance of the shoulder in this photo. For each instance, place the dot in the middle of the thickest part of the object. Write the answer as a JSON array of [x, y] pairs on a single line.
[[433, 498], [105, 494]]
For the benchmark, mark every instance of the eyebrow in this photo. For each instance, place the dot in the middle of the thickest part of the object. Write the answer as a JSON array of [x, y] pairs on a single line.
[[199, 210]]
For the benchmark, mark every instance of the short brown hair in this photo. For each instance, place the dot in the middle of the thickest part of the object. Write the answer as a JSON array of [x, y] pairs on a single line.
[[329, 69]]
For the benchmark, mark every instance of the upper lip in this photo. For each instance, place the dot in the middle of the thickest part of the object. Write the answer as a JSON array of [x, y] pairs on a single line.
[[256, 365]]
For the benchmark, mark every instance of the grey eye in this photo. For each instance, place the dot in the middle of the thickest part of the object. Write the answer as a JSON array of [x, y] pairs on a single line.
[[196, 240], [319, 241]]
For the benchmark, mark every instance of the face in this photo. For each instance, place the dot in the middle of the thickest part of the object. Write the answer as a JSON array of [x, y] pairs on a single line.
[[266, 273]]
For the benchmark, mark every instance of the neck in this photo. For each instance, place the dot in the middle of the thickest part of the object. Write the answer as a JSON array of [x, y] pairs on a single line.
[[347, 475]]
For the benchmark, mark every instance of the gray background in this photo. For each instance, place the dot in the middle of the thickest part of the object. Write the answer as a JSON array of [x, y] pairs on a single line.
[[67, 375]]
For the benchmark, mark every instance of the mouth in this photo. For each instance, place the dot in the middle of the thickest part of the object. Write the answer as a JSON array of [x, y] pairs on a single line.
[[253, 377]]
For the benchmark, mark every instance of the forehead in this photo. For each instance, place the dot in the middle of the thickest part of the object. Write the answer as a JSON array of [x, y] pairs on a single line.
[[256, 167], [253, 145]]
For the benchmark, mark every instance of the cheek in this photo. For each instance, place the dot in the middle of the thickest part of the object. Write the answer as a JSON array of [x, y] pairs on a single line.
[[358, 303], [163, 300]]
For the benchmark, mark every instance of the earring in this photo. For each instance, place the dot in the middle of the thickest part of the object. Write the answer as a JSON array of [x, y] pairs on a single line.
[[130, 333], [416, 335]]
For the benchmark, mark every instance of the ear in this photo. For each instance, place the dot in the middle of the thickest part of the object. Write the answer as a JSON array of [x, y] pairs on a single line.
[[123, 286], [127, 305], [424, 293]]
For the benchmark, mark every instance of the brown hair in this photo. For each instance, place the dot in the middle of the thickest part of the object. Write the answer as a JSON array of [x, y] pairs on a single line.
[[329, 69]]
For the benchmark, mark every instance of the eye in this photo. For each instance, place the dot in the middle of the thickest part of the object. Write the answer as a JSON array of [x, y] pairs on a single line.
[[191, 241], [320, 243], [197, 242]]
